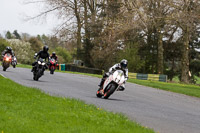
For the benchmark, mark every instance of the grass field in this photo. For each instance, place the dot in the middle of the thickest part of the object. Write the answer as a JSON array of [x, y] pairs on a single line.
[[187, 89], [28, 110]]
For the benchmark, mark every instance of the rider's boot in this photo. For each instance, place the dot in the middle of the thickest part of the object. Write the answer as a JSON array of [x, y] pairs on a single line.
[[101, 83]]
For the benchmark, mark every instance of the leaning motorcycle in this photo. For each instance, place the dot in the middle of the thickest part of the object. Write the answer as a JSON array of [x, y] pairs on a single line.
[[6, 61], [52, 66], [39, 69], [111, 84]]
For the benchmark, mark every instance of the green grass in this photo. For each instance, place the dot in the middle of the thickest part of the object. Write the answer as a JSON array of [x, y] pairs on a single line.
[[187, 89], [28, 110]]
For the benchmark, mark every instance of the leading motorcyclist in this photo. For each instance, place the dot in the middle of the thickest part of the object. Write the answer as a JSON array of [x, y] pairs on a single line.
[[41, 54], [8, 50], [119, 66]]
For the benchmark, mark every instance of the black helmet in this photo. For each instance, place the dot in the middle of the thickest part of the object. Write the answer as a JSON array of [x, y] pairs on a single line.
[[45, 48], [53, 53], [123, 64], [8, 48]]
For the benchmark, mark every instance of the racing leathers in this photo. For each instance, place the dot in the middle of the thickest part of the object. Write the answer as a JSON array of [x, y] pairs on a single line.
[[54, 57], [7, 51], [41, 54]]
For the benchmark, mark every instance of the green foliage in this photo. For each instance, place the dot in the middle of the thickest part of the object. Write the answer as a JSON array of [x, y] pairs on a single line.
[[17, 36], [3, 44], [195, 67], [63, 55], [28, 110], [8, 35], [130, 53], [23, 51], [36, 44]]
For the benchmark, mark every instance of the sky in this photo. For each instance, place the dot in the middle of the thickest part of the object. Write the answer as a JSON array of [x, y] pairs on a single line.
[[13, 14]]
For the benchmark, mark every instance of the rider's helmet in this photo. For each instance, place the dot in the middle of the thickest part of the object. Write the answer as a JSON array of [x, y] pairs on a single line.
[[45, 48], [53, 54], [124, 64], [8, 48]]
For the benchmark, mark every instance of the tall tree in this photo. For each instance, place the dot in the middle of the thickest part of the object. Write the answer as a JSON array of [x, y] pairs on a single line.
[[186, 13], [8, 35], [17, 35]]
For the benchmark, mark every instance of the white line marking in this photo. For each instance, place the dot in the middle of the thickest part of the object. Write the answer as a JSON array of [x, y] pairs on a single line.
[[3, 76]]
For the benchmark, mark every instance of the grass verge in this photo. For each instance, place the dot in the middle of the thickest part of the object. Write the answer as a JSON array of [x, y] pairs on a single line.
[[187, 89], [28, 110]]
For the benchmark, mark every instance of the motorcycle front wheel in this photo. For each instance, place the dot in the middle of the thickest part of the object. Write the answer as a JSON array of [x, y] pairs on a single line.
[[5, 66], [109, 91]]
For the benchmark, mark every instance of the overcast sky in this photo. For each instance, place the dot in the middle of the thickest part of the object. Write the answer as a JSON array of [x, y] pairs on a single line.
[[12, 14]]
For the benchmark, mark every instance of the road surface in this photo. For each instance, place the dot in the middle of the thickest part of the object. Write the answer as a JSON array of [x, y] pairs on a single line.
[[164, 111]]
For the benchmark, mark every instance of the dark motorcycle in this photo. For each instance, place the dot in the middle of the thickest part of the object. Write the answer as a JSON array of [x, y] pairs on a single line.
[[52, 65], [39, 69], [6, 61], [14, 62]]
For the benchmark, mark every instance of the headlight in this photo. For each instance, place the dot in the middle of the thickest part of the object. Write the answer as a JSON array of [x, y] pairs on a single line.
[[43, 63], [39, 62], [7, 59], [118, 77]]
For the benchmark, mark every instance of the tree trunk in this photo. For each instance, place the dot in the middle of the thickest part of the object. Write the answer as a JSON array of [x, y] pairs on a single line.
[[160, 52], [185, 57], [78, 30], [87, 43]]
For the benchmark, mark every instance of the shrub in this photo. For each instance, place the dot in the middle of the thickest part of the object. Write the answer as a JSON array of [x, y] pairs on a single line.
[[63, 55], [3, 44], [22, 50]]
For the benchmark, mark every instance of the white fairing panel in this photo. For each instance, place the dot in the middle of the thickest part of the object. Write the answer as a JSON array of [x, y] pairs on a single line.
[[117, 77]]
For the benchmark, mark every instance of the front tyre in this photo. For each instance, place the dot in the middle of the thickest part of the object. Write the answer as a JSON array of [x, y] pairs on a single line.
[[4, 69], [51, 71], [109, 91]]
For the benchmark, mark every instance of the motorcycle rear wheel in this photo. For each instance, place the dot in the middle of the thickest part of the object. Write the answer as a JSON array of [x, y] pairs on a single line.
[[98, 94]]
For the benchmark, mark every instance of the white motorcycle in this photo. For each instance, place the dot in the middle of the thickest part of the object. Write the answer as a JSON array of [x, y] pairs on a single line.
[[111, 84], [14, 62]]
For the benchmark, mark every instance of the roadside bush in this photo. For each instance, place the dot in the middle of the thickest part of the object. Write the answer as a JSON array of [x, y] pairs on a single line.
[[22, 50], [3, 44], [63, 55], [36, 45]]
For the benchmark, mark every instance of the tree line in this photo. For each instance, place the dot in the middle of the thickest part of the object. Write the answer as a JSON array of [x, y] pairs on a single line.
[[156, 36]]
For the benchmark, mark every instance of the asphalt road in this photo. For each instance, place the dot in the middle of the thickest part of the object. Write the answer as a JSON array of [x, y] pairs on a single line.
[[165, 112]]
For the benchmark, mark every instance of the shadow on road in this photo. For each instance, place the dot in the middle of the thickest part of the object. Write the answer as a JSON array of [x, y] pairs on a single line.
[[109, 99]]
